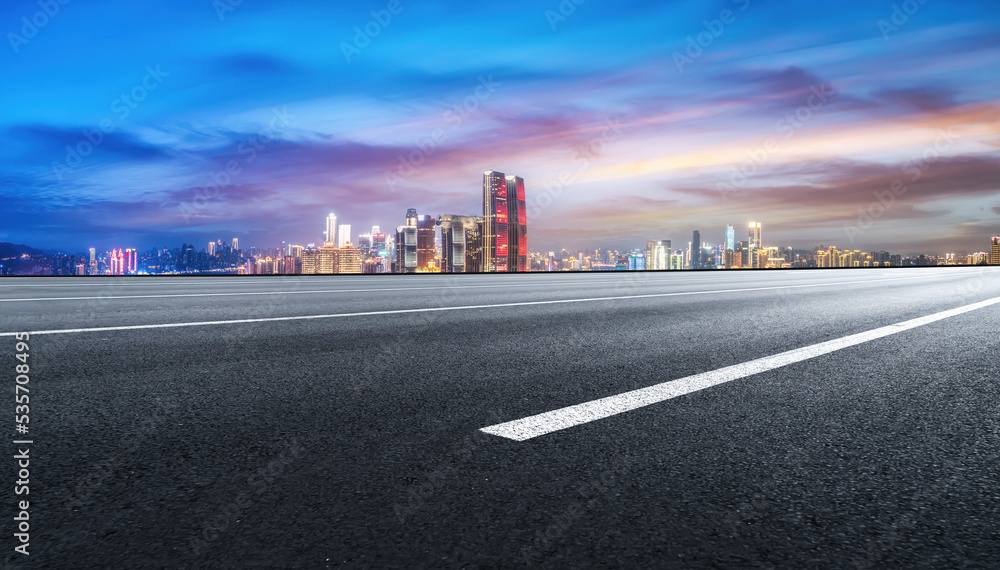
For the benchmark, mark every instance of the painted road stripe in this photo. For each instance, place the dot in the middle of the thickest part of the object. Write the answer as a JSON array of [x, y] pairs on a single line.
[[250, 294], [563, 418], [438, 309]]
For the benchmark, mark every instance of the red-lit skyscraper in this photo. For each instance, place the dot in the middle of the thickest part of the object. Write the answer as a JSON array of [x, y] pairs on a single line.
[[131, 264], [517, 228], [117, 262], [496, 236]]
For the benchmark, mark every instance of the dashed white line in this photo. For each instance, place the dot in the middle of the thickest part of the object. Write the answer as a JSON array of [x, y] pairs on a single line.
[[571, 416], [439, 309]]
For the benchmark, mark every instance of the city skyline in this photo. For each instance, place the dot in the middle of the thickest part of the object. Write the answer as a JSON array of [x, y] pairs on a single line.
[[859, 126]]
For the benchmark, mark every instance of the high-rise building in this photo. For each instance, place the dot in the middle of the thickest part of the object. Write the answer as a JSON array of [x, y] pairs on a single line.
[[376, 230], [496, 231], [406, 244], [343, 235], [754, 245], [658, 255], [330, 235], [380, 246], [459, 243], [995, 251], [426, 228], [347, 260], [131, 259], [211, 249], [730, 247], [696, 250], [517, 227], [93, 261], [365, 244], [236, 244], [117, 261]]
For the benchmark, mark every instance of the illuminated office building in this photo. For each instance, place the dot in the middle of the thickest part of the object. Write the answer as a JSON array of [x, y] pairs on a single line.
[[131, 262], [995, 251], [236, 244], [730, 247], [754, 245], [343, 235], [460, 243], [406, 244], [365, 244], [496, 231], [330, 235], [658, 255], [379, 244], [117, 262], [93, 261], [517, 258], [347, 260], [696, 253], [426, 228], [211, 249]]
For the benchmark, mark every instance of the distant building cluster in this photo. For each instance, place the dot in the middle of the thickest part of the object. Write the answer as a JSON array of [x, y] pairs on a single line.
[[494, 242]]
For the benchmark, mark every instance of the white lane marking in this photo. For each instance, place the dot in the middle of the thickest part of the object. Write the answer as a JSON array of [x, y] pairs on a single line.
[[248, 294], [438, 309], [498, 286], [571, 416]]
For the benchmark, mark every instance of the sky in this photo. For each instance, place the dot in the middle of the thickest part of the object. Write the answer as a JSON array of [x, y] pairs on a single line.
[[862, 124]]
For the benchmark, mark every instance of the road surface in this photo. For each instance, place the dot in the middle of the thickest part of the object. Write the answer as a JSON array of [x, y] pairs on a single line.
[[682, 419]]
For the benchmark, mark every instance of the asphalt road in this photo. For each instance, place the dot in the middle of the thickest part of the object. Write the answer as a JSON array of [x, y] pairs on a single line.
[[256, 439]]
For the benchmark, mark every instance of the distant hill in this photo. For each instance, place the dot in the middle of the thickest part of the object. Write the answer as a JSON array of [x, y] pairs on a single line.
[[16, 250]]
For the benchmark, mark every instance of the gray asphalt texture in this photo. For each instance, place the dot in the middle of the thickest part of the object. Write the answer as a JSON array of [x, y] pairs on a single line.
[[353, 441]]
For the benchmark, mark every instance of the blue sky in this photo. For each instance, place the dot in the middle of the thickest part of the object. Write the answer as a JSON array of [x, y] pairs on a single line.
[[866, 125]]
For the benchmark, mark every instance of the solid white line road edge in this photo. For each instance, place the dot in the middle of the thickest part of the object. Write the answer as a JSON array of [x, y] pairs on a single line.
[[563, 418], [436, 309]]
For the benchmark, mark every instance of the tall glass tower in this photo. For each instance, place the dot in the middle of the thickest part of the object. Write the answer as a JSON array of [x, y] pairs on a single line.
[[331, 228], [496, 230], [517, 228], [754, 245]]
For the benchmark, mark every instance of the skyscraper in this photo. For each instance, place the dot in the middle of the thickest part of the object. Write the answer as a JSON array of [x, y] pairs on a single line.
[[343, 235], [459, 243], [236, 244], [426, 228], [496, 232], [696, 250], [754, 245], [330, 235], [93, 261], [379, 243], [995, 251], [406, 244], [211, 249], [730, 247], [517, 258], [658, 255]]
